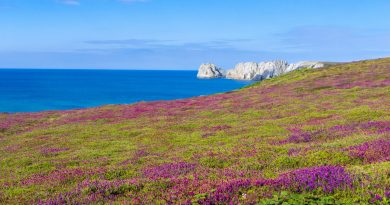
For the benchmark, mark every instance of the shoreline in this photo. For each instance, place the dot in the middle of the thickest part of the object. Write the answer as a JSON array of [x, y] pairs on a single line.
[[245, 84]]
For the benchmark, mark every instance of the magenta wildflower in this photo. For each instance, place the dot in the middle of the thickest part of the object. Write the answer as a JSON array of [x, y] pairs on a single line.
[[374, 151], [171, 170], [47, 151], [227, 192], [375, 198], [59, 176], [326, 178]]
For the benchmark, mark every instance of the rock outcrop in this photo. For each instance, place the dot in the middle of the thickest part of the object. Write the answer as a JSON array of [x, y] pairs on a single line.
[[210, 71], [305, 64], [256, 71]]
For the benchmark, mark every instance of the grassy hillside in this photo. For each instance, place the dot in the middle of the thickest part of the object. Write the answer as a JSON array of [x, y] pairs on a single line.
[[318, 136]]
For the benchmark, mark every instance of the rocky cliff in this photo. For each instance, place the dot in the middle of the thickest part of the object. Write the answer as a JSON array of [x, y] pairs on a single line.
[[255, 71], [209, 71], [305, 64]]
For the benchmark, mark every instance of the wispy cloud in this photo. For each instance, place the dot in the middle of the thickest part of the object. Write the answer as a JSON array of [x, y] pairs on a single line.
[[169, 57], [128, 42], [133, 1], [78, 2], [168, 44], [71, 2], [169, 54], [335, 39]]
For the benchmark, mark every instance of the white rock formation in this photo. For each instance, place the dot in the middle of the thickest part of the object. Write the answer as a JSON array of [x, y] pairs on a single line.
[[305, 64], [257, 71], [210, 71]]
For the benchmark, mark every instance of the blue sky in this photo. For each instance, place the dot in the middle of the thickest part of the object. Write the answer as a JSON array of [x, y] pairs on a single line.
[[181, 34]]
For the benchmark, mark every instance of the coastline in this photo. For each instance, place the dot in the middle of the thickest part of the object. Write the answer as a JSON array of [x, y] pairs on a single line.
[[85, 89]]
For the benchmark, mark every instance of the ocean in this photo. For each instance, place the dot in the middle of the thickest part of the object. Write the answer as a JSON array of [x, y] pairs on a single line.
[[31, 90]]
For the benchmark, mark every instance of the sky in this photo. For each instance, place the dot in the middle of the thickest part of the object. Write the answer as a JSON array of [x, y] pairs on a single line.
[[182, 34]]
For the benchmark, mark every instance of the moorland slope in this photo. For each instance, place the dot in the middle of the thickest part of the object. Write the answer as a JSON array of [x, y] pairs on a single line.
[[312, 135]]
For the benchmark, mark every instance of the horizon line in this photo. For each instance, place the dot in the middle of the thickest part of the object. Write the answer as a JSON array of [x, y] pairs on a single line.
[[118, 69]]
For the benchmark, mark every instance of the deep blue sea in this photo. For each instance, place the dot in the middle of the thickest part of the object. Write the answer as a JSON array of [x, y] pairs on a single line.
[[30, 90]]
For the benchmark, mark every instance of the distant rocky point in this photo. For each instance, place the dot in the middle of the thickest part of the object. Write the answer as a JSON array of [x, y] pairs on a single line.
[[256, 71], [210, 71]]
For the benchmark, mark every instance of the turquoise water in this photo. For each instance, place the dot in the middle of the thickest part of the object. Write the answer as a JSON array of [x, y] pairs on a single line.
[[30, 90]]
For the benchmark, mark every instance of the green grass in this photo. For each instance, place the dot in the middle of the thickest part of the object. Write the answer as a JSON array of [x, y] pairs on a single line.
[[259, 132]]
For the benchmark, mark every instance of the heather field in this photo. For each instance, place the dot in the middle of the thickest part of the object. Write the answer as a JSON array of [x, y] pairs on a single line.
[[313, 136]]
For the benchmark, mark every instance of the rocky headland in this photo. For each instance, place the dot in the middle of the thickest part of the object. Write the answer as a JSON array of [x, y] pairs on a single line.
[[256, 71]]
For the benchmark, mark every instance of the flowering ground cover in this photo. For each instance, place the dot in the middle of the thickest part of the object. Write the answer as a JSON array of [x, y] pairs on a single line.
[[319, 136]]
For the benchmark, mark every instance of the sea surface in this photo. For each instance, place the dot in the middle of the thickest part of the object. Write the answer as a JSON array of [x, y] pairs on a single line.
[[31, 90]]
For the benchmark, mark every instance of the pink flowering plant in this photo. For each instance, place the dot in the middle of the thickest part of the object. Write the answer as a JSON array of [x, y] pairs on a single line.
[[312, 136]]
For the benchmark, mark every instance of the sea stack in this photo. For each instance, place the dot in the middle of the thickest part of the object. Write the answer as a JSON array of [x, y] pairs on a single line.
[[210, 71]]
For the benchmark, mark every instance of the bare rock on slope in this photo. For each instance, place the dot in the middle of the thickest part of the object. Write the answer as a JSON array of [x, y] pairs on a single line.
[[305, 64]]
